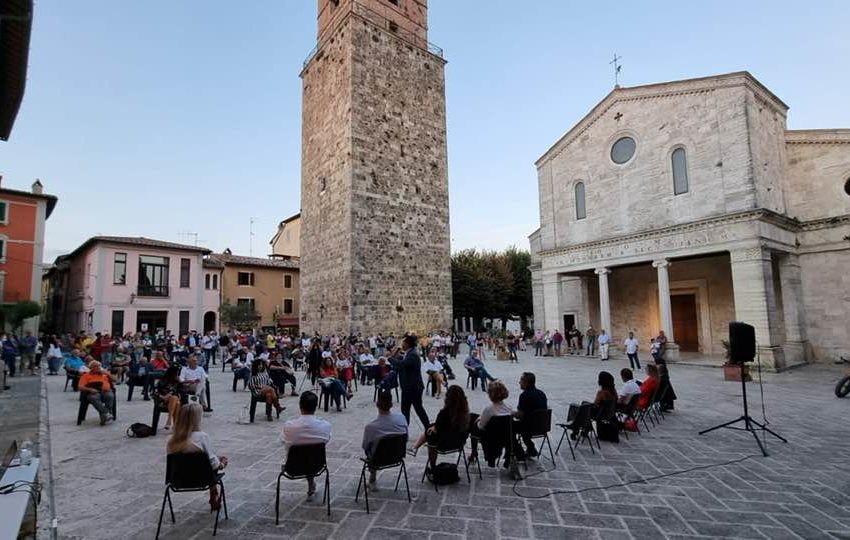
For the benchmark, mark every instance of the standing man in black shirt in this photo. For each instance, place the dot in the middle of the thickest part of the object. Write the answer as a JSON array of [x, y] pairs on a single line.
[[531, 399]]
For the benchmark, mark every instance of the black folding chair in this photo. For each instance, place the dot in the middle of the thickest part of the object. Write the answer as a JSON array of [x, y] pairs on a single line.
[[84, 407], [378, 388], [325, 397], [537, 425], [659, 398], [498, 437], [389, 453], [190, 472], [628, 413], [303, 461], [582, 424], [471, 379], [642, 413], [448, 444]]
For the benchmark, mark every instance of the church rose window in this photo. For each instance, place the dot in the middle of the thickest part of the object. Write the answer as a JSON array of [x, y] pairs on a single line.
[[680, 171], [623, 150]]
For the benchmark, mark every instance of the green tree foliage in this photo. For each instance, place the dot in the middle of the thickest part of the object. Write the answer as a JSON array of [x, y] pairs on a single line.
[[494, 285], [15, 314], [240, 316]]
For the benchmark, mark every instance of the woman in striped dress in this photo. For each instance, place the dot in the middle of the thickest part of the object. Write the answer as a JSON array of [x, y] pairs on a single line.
[[261, 387]]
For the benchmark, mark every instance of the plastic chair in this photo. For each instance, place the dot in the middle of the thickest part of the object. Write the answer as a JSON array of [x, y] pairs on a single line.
[[84, 407], [190, 472], [389, 453]]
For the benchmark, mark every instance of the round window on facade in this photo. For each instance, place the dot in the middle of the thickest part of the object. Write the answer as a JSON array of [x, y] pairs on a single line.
[[623, 150], [847, 187]]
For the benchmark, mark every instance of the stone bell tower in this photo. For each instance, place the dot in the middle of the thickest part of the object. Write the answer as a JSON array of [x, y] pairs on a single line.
[[375, 248]]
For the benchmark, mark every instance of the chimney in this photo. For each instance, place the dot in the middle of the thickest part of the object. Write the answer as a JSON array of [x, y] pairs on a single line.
[[1, 179], [37, 187]]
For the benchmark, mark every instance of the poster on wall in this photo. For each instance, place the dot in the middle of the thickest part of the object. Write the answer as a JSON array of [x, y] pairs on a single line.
[[144, 326]]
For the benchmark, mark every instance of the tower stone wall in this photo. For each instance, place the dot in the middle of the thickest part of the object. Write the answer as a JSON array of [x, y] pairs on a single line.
[[375, 210]]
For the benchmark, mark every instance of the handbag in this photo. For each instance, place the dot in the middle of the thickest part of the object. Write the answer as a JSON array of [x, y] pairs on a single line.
[[443, 474], [630, 425], [139, 431]]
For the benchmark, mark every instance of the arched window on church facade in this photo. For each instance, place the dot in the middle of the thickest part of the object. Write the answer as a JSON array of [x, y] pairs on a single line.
[[680, 171], [581, 212]]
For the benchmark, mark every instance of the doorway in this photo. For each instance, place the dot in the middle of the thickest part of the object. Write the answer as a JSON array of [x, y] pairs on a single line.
[[685, 324], [209, 321], [569, 322], [151, 321]]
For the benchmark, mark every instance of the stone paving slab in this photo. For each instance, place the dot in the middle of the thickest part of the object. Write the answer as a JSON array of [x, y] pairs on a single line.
[[110, 486]]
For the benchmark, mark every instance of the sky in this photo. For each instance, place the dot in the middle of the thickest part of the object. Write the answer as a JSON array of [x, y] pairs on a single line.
[[166, 117]]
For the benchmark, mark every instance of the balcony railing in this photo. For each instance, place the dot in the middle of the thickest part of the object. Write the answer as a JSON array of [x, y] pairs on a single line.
[[384, 22], [152, 290]]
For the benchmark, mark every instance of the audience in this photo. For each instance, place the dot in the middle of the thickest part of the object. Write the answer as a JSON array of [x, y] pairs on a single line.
[[194, 378], [306, 429], [99, 389], [454, 417], [666, 394], [630, 388], [188, 438], [434, 369], [281, 373], [498, 393], [531, 399], [170, 391], [331, 385], [607, 392], [648, 387], [387, 423], [262, 388], [120, 365], [476, 369]]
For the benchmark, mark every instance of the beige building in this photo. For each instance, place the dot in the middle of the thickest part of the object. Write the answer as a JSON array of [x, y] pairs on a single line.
[[374, 173], [270, 286], [286, 243], [684, 205]]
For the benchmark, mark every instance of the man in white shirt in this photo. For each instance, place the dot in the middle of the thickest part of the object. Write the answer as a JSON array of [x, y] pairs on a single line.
[[194, 377], [631, 345], [630, 388], [604, 344], [307, 429]]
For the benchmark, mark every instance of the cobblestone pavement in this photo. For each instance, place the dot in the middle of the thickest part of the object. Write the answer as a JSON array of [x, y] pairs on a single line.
[[109, 486]]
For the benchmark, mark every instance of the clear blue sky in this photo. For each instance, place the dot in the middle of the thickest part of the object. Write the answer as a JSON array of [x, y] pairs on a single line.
[[160, 117]]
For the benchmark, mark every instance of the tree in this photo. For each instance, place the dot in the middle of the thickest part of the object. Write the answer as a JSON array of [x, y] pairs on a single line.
[[241, 316], [16, 314]]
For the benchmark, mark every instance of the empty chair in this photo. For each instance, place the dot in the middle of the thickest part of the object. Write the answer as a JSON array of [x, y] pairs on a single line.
[[389, 453], [190, 472], [582, 425], [537, 425]]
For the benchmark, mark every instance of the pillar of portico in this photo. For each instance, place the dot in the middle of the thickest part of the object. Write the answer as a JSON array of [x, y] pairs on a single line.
[[796, 343], [551, 302], [755, 301], [665, 310], [604, 301]]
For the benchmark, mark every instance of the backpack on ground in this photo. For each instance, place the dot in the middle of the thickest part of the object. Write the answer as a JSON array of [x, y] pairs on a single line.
[[139, 430], [444, 474]]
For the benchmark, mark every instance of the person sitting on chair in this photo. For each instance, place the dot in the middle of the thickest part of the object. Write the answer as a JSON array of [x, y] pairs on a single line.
[[193, 378], [531, 399], [345, 368], [159, 363], [281, 373], [262, 388], [669, 395], [476, 368], [387, 423], [434, 369], [99, 390], [630, 388], [453, 418], [330, 382], [648, 387], [120, 364], [607, 392], [242, 367], [306, 429], [188, 438], [498, 393], [171, 393]]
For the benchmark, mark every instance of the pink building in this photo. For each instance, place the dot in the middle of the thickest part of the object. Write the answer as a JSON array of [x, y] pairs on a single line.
[[127, 284]]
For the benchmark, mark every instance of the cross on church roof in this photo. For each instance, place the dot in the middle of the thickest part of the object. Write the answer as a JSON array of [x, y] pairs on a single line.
[[617, 67]]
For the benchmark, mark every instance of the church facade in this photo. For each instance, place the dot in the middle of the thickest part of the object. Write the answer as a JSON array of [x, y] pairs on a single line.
[[374, 180], [684, 205]]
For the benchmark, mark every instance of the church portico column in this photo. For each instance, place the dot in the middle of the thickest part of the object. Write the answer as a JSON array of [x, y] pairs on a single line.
[[664, 307], [755, 302], [796, 341], [604, 300], [551, 302]]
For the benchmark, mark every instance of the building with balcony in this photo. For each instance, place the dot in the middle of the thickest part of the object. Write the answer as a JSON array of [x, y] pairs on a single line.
[[119, 284]]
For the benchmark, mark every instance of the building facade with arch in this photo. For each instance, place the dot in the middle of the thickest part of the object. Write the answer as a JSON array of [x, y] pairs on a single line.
[[697, 207]]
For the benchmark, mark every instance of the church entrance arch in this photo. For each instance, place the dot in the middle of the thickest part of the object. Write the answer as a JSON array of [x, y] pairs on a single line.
[[209, 321]]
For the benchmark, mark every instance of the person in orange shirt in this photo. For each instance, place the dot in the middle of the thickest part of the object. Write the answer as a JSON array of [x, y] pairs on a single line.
[[648, 387], [98, 388]]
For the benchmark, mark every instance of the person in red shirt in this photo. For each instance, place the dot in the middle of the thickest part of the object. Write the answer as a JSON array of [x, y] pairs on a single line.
[[648, 387], [159, 363], [98, 388]]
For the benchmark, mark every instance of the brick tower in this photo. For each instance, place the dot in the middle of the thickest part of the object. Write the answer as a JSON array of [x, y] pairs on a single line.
[[375, 251]]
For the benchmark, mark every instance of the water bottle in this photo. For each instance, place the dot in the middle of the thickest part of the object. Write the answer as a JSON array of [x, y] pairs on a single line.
[[26, 452]]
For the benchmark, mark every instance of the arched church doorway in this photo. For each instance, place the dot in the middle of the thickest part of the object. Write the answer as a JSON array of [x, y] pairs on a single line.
[[209, 321]]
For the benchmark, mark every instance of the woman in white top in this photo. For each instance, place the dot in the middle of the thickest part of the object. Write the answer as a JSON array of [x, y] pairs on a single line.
[[498, 393], [434, 369], [188, 437]]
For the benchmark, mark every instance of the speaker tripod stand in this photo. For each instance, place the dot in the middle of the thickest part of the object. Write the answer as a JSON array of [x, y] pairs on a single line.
[[749, 424]]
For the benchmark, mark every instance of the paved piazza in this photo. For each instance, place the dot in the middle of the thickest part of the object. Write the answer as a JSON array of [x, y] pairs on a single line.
[[109, 486]]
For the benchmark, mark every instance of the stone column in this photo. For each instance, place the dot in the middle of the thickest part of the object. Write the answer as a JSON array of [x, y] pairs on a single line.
[[664, 308], [551, 303], [796, 340], [604, 301], [755, 303]]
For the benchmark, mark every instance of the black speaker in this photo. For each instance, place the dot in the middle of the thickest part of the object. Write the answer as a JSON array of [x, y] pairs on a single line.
[[742, 343]]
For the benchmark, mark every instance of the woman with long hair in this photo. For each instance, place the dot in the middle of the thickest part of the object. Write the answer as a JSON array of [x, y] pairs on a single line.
[[170, 391], [188, 437], [452, 418], [330, 381], [314, 361], [262, 387]]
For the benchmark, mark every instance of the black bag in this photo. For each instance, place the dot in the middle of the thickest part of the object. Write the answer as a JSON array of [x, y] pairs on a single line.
[[139, 430], [608, 431], [444, 474]]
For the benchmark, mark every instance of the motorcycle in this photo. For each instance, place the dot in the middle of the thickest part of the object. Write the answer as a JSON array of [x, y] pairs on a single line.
[[843, 386]]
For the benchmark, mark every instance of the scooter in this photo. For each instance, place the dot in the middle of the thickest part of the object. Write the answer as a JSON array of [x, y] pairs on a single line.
[[843, 386]]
